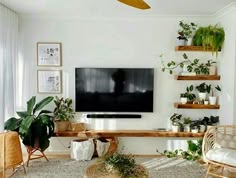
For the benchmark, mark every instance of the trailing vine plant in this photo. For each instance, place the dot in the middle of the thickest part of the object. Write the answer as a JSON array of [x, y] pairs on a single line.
[[193, 153], [192, 66]]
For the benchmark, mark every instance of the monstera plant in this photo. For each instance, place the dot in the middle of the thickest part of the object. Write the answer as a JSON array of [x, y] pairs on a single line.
[[35, 126]]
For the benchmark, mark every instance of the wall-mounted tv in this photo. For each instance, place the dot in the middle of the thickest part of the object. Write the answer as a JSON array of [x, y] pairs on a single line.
[[114, 89]]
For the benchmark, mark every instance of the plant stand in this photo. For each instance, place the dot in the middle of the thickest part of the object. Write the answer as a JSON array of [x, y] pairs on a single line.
[[31, 152]]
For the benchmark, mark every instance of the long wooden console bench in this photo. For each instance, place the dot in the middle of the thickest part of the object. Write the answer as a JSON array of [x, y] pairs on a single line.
[[112, 135]]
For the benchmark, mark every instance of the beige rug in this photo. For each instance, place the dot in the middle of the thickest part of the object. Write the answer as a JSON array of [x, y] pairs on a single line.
[[68, 168]]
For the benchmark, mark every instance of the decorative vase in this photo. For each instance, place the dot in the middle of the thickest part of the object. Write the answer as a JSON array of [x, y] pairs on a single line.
[[189, 42], [212, 70], [212, 100]]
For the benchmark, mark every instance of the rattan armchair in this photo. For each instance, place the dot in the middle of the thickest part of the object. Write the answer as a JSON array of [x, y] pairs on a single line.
[[10, 152], [219, 150]]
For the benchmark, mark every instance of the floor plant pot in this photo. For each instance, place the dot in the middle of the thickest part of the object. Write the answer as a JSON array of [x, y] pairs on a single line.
[[212, 100], [61, 126]]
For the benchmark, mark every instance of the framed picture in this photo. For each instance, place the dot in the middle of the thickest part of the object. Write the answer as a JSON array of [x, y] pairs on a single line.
[[49, 81], [48, 54]]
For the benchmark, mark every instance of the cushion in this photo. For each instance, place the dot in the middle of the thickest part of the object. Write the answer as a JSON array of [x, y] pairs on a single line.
[[222, 155]]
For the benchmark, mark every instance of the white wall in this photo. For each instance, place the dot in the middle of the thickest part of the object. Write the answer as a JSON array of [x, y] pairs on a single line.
[[116, 42]]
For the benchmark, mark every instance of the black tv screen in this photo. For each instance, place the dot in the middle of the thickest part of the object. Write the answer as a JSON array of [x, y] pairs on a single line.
[[114, 89]]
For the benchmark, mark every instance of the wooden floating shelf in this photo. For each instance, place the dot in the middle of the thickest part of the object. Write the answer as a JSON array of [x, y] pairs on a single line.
[[197, 77], [192, 48], [127, 133], [195, 106]]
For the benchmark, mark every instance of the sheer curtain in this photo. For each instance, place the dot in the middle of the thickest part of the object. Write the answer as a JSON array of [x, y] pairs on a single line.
[[8, 62]]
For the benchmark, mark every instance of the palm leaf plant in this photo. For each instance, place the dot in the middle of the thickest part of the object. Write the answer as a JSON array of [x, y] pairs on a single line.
[[34, 126]]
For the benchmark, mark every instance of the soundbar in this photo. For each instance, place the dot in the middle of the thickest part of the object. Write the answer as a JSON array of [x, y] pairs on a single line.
[[114, 116]]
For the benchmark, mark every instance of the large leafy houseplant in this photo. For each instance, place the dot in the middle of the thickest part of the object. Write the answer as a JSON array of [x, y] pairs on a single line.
[[210, 37], [35, 126]]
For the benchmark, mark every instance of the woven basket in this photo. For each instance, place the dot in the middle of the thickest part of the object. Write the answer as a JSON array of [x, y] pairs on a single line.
[[99, 171], [78, 127]]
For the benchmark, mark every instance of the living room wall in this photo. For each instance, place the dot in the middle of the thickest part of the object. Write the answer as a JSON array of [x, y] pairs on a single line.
[[114, 42]]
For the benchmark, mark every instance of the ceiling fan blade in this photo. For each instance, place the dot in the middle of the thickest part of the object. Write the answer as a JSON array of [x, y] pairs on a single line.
[[140, 4]]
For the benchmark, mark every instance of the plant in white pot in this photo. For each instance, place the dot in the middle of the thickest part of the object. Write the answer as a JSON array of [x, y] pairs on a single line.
[[203, 89], [212, 98], [186, 32], [63, 113], [187, 122], [177, 125]]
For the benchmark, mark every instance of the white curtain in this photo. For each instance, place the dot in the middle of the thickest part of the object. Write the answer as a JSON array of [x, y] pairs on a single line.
[[8, 62]]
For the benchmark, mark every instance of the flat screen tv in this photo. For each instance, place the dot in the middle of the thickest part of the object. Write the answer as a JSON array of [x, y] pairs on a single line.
[[114, 89]]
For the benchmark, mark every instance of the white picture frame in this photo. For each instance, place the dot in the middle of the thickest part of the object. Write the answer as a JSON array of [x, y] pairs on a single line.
[[49, 54], [49, 81]]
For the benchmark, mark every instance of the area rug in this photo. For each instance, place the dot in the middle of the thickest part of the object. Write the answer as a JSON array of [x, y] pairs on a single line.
[[68, 168]]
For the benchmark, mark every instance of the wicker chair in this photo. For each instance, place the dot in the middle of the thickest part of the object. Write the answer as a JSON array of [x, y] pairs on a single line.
[[219, 150], [10, 149]]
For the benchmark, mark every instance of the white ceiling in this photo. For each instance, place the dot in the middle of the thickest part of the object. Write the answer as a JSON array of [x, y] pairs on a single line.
[[115, 8]]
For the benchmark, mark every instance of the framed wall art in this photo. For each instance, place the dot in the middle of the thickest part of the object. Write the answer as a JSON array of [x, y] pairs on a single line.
[[49, 54], [49, 81]]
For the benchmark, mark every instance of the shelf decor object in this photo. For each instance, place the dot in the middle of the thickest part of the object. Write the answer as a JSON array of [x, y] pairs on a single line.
[[49, 54], [198, 77], [193, 48], [49, 81], [195, 106]]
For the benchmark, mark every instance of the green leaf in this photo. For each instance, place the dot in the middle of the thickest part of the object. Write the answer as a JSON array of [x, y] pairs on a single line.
[[22, 114], [42, 103], [12, 124], [171, 71], [25, 124], [30, 105], [185, 56], [163, 69]]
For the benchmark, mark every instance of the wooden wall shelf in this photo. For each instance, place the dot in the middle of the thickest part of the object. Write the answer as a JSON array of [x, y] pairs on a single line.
[[198, 77], [192, 48], [195, 106], [128, 133]]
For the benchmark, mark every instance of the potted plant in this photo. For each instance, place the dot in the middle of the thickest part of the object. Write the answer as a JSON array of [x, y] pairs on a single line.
[[35, 126], [209, 37], [186, 122], [186, 32], [212, 98], [193, 152], [208, 122], [177, 125], [63, 113], [195, 126], [203, 89], [183, 98], [123, 166]]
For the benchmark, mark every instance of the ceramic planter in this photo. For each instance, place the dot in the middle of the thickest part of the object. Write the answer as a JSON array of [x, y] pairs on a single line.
[[202, 96], [183, 100], [212, 100], [180, 42], [175, 128], [212, 70]]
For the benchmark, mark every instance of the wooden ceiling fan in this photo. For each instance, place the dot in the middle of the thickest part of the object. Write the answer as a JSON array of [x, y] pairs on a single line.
[[140, 4]]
